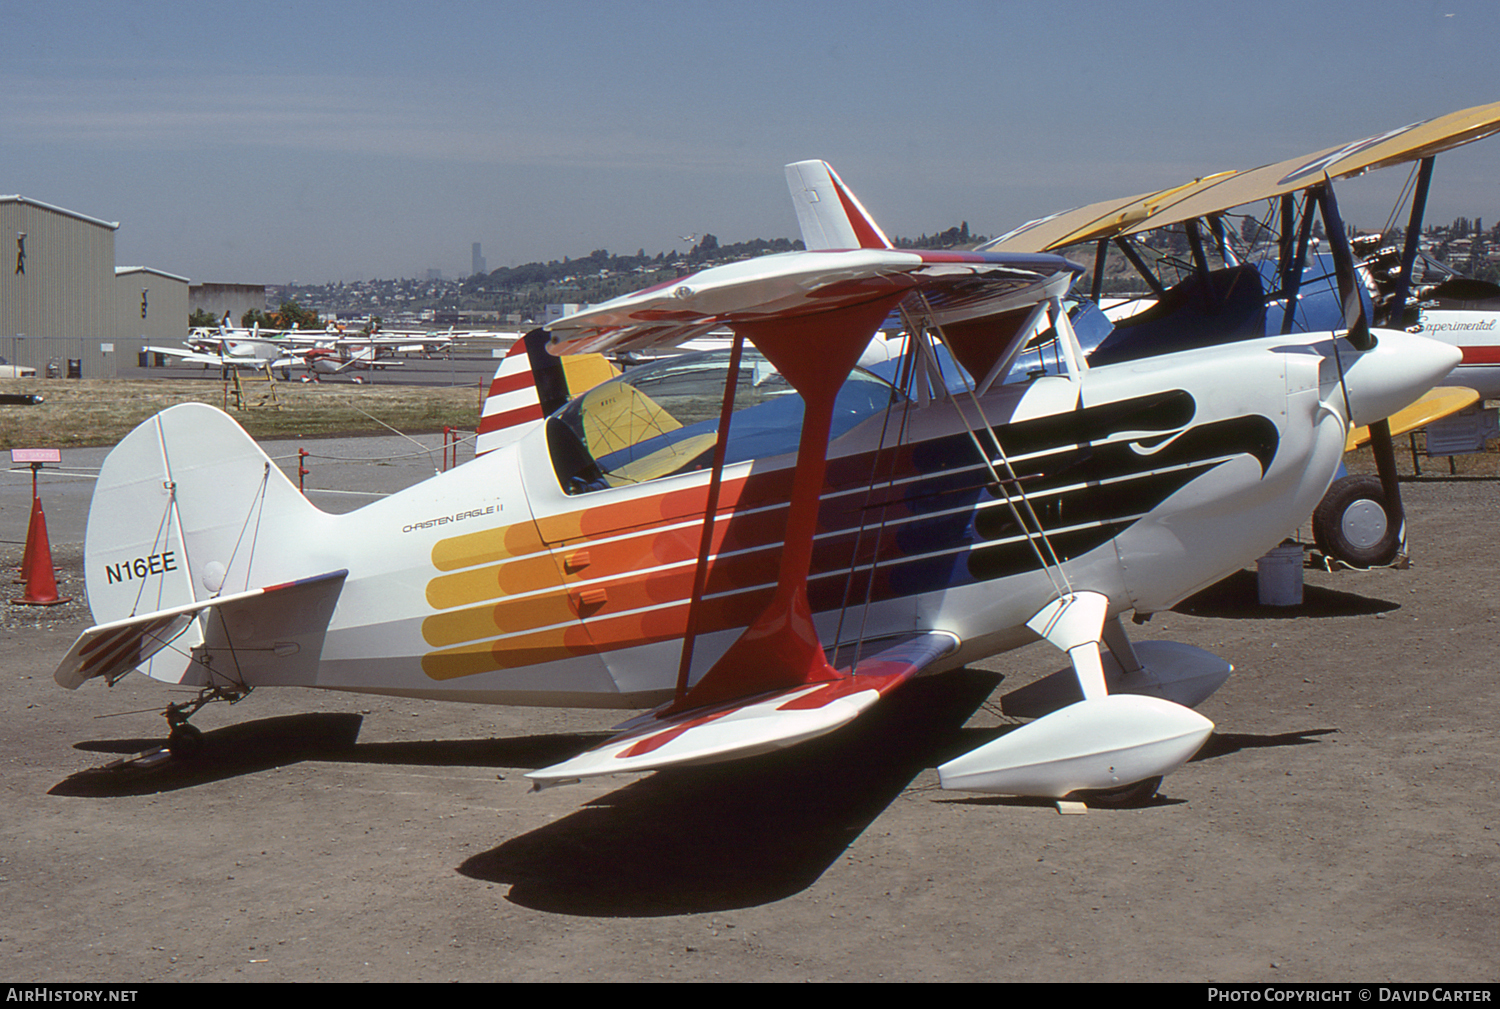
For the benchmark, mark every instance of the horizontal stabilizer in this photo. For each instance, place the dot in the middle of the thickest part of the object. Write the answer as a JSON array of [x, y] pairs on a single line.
[[754, 725], [111, 650]]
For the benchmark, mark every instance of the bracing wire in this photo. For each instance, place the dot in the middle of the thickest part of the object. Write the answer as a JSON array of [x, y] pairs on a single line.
[[1010, 483], [901, 389], [257, 502]]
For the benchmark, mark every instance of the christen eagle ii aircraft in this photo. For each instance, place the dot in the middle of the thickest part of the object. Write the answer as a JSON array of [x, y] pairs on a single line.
[[764, 541]]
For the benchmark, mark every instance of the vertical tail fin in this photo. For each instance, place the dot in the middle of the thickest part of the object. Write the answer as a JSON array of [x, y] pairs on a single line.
[[187, 508], [830, 216], [515, 392]]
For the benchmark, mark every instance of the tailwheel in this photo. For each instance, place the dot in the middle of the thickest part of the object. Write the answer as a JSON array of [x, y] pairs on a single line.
[[185, 741], [1125, 797]]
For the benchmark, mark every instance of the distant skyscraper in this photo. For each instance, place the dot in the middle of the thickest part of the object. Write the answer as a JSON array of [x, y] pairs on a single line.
[[479, 265]]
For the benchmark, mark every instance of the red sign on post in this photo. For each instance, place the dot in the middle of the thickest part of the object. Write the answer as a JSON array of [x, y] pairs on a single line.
[[36, 455]]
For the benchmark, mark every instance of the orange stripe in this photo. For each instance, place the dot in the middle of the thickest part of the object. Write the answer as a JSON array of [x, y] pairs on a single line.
[[513, 653], [486, 546]]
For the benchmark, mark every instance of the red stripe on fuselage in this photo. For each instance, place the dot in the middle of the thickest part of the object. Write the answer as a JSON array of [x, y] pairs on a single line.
[[1481, 355]]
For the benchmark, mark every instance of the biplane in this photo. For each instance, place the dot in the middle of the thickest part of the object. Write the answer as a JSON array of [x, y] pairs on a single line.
[[1286, 286], [757, 544]]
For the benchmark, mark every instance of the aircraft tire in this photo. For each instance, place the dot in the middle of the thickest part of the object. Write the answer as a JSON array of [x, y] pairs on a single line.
[[1125, 797], [1352, 524]]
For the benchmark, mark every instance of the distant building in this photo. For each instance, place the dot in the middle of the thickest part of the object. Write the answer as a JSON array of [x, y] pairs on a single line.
[[151, 307], [61, 296], [236, 299], [555, 312], [480, 266]]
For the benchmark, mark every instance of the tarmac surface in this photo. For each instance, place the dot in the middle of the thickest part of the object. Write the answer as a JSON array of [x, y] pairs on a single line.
[[1342, 824]]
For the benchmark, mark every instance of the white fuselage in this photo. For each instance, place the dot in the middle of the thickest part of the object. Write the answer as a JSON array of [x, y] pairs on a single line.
[[1151, 479], [1476, 333]]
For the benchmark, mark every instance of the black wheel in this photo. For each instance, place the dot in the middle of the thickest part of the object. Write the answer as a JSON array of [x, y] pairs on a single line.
[[185, 741], [1124, 797], [1352, 523]]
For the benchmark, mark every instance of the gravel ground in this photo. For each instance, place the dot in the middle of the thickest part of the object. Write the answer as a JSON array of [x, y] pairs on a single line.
[[1341, 824]]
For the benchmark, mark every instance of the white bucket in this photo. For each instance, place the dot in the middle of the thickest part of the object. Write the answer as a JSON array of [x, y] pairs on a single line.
[[1278, 576]]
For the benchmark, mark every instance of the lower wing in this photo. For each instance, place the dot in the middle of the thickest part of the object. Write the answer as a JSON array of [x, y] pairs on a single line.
[[752, 725]]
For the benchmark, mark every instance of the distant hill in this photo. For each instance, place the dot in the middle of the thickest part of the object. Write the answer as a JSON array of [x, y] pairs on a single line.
[[524, 291]]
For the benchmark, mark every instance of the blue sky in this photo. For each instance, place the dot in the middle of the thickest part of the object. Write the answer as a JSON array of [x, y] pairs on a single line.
[[268, 141]]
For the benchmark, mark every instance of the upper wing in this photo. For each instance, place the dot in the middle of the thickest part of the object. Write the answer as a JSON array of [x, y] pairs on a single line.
[[1394, 147], [752, 725], [956, 286], [222, 361], [1217, 193], [189, 356], [1104, 219]]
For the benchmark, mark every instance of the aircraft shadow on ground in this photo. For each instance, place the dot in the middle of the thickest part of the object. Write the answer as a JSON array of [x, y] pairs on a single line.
[[737, 834], [680, 841], [1222, 744], [1237, 597], [266, 743]]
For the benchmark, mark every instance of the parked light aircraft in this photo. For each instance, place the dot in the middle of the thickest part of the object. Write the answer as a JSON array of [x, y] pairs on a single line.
[[379, 342], [322, 353], [255, 355], [765, 541], [1295, 289], [1445, 306], [343, 358]]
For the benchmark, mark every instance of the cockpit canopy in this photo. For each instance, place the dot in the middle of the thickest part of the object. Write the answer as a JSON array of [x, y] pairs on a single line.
[[663, 418]]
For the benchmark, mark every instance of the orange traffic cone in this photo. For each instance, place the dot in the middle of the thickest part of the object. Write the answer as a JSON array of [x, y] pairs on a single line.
[[41, 579], [25, 570]]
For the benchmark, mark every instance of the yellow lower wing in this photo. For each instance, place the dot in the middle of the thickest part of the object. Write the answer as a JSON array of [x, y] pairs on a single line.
[[1436, 405]]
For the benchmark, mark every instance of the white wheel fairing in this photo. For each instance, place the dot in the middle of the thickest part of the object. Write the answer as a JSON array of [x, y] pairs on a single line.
[[1106, 742]]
